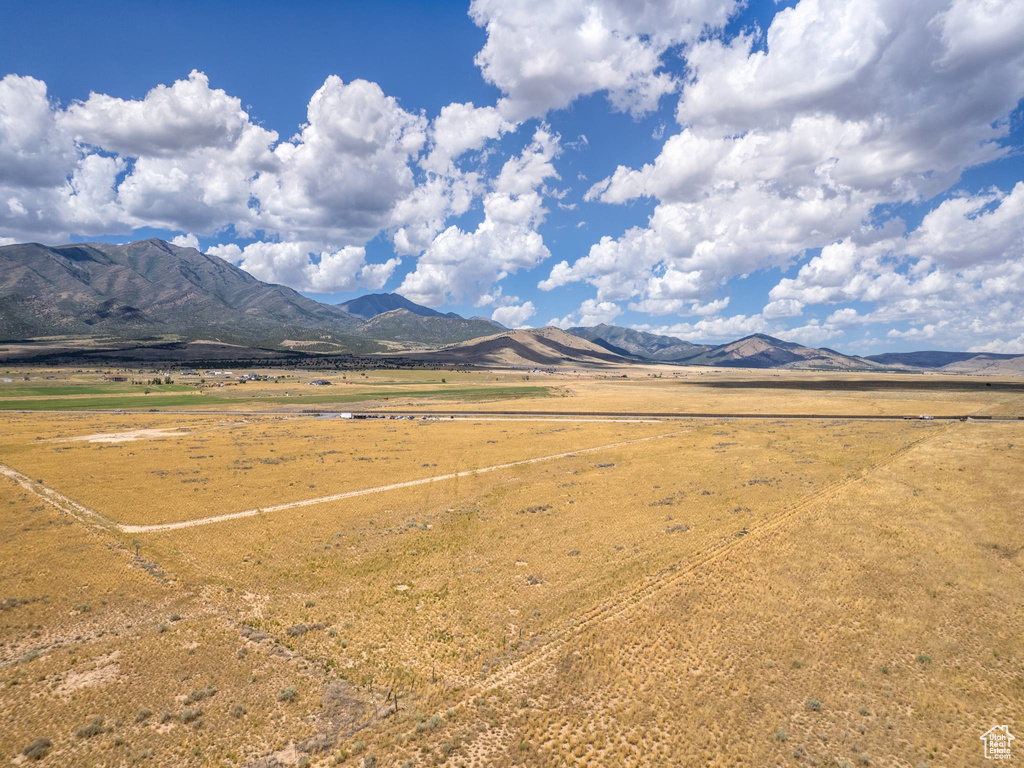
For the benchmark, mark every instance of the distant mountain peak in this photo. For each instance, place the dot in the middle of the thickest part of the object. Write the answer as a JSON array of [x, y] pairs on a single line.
[[373, 304]]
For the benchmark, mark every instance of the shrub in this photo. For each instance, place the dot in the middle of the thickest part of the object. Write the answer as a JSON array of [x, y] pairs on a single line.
[[191, 715], [199, 694], [369, 762], [37, 749], [237, 711], [781, 735], [143, 715], [813, 704], [94, 728], [287, 694], [924, 658]]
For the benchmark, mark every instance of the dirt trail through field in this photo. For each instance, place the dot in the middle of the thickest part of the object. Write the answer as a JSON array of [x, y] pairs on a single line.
[[382, 488], [86, 515], [56, 499]]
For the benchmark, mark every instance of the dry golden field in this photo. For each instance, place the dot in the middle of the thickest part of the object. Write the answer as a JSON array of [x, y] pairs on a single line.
[[645, 592]]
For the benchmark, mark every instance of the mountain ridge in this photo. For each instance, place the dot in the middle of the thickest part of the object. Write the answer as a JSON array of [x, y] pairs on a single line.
[[154, 289]]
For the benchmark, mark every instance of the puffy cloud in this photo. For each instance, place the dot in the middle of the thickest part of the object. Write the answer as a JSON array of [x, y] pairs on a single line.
[[999, 346], [514, 315], [783, 308], [812, 334], [459, 264], [590, 312], [47, 189], [714, 330], [196, 154], [975, 31], [290, 263], [460, 128], [341, 178], [689, 248], [170, 120], [959, 275], [544, 54], [418, 218], [186, 241], [34, 151]]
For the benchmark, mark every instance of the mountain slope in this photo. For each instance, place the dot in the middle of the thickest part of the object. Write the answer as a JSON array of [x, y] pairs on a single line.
[[639, 343], [402, 325], [930, 358], [151, 287], [541, 347], [762, 351], [988, 364], [373, 304]]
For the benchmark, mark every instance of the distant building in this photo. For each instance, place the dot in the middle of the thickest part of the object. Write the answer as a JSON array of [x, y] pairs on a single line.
[[319, 383]]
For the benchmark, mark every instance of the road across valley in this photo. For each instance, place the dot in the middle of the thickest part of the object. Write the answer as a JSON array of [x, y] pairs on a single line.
[[547, 415]]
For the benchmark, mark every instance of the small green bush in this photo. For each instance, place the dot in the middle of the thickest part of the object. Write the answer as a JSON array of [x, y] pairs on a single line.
[[287, 694]]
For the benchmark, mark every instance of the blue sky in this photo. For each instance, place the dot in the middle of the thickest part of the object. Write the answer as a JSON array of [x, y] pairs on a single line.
[[840, 176]]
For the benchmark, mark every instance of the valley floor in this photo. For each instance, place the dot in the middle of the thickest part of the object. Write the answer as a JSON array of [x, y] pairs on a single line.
[[495, 592]]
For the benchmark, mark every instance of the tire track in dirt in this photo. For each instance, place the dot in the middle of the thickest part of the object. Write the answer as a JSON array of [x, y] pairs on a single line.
[[68, 506], [630, 601]]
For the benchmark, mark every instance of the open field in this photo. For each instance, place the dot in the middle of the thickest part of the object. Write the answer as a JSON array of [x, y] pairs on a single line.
[[535, 592], [648, 388]]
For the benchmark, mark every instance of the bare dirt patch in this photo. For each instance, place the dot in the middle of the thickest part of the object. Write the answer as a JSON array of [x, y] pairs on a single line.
[[123, 437]]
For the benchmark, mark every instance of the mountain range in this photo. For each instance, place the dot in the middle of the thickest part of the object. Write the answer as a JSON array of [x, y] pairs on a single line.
[[150, 289]]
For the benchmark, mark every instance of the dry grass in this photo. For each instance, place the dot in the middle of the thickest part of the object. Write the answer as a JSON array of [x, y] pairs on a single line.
[[676, 601]]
